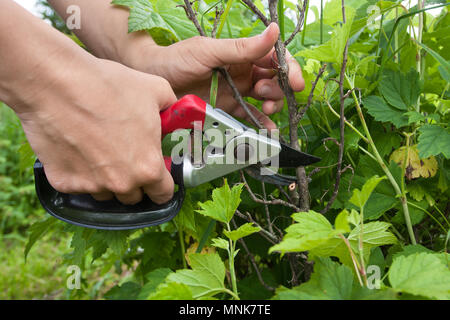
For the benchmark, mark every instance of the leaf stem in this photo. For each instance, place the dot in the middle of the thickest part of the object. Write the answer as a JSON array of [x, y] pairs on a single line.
[[281, 19], [231, 261], [361, 246], [224, 18], [354, 260], [383, 166], [183, 249]]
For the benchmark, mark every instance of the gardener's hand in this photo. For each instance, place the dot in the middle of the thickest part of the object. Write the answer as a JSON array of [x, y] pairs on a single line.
[[102, 135], [93, 123], [188, 66]]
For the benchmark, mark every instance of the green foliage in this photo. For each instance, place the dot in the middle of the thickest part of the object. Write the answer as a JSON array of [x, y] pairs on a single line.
[[224, 203], [367, 225], [400, 90], [360, 197], [331, 281], [422, 274], [241, 232], [206, 278], [433, 141], [165, 22], [381, 111]]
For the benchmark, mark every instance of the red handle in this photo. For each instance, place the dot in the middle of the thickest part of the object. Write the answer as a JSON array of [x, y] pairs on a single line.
[[182, 114]]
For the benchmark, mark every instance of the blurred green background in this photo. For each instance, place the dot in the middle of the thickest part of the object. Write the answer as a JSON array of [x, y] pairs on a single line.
[[43, 275]]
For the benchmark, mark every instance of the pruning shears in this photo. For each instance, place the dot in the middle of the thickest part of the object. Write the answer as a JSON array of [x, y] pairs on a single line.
[[227, 139]]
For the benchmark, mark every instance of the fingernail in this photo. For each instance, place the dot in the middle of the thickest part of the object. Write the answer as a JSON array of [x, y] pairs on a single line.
[[264, 91]]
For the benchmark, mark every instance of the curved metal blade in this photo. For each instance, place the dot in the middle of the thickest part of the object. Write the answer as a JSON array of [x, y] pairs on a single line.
[[276, 179], [291, 158]]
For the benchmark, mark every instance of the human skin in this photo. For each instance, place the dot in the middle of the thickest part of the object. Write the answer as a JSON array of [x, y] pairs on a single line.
[[93, 123], [188, 64]]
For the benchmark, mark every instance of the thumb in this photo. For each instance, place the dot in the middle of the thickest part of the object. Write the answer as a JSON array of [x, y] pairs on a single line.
[[220, 52]]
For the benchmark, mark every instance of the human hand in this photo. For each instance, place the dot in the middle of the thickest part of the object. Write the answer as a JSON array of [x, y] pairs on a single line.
[[251, 62], [95, 126]]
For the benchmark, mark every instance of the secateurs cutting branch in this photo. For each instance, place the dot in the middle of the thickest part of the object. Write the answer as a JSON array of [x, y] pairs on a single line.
[[94, 121], [233, 147]]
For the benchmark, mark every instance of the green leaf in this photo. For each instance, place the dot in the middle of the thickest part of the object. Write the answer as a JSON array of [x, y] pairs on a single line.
[[400, 90], [434, 140], [378, 109], [421, 274], [220, 243], [79, 246], [165, 22], [414, 117], [206, 277], [172, 291], [311, 230], [444, 65], [185, 219], [329, 281], [332, 281], [116, 240], [354, 218], [127, 291], [341, 222], [27, 156], [360, 197], [37, 231], [243, 231], [332, 50], [224, 203], [154, 279], [158, 248]]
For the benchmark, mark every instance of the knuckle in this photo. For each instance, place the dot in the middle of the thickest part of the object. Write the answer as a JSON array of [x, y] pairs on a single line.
[[62, 186], [151, 174], [120, 187], [92, 188], [117, 184], [241, 47]]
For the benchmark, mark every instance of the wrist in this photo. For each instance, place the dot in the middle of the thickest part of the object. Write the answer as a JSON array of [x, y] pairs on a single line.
[[48, 79]]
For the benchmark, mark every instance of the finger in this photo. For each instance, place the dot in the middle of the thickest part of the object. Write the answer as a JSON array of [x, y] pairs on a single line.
[[103, 196], [164, 92], [220, 52], [262, 73], [261, 117], [162, 191], [271, 107], [268, 61], [295, 71], [132, 197], [267, 89]]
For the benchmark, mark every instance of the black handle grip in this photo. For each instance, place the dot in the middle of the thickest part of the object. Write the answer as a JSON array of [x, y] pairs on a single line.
[[85, 211]]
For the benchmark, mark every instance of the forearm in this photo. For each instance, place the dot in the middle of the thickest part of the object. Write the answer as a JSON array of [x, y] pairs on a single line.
[[33, 56], [103, 29]]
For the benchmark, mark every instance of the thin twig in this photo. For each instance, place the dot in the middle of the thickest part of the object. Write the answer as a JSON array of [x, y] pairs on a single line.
[[216, 21], [302, 112], [266, 208], [256, 11], [193, 17], [341, 121], [252, 260], [301, 20], [237, 95], [267, 202], [273, 239]]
